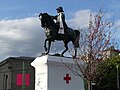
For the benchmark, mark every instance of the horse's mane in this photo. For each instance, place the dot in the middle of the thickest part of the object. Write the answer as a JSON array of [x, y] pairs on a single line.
[[51, 20]]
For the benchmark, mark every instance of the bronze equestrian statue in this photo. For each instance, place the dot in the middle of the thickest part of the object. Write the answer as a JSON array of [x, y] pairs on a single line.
[[52, 34]]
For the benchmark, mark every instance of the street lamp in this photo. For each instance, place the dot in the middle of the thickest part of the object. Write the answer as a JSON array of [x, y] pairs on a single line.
[[118, 77]]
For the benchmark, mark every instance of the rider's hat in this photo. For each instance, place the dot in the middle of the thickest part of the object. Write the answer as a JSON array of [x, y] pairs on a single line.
[[60, 9]]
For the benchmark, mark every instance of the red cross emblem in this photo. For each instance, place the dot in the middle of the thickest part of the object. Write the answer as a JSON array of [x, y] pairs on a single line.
[[67, 78]]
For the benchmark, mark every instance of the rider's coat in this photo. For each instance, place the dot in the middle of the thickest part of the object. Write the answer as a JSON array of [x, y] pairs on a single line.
[[59, 21]]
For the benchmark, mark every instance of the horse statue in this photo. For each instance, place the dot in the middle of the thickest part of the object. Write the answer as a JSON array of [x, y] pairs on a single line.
[[52, 34]]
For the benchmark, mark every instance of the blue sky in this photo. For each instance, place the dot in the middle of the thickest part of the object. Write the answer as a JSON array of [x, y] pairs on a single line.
[[20, 30], [24, 8]]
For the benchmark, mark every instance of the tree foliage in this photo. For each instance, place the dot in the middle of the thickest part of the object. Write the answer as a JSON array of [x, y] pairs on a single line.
[[107, 79]]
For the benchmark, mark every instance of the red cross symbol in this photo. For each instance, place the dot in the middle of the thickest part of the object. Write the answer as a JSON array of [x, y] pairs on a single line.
[[67, 78]]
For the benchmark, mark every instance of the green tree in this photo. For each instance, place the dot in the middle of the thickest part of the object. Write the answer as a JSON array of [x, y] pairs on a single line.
[[107, 79]]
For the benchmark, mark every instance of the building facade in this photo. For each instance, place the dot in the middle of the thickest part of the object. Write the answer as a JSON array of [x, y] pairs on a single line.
[[112, 52], [16, 73]]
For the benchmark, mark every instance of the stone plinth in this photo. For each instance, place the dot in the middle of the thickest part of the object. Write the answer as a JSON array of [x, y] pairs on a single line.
[[51, 74]]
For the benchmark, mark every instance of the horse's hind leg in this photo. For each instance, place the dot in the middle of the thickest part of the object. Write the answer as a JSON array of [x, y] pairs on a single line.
[[75, 48], [66, 48], [75, 52], [47, 49]]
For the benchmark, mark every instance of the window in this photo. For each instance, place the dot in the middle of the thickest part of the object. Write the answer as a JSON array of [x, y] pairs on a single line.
[[23, 79], [19, 79]]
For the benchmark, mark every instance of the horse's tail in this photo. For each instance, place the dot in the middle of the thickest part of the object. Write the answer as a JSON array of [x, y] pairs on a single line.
[[76, 44]]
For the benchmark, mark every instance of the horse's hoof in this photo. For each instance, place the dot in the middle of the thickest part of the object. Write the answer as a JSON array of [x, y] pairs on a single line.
[[62, 55], [47, 52]]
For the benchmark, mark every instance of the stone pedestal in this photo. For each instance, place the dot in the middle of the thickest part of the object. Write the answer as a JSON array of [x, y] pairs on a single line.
[[51, 74]]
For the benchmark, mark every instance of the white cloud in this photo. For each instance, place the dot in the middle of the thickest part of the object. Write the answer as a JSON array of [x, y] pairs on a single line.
[[80, 19], [18, 29], [20, 37]]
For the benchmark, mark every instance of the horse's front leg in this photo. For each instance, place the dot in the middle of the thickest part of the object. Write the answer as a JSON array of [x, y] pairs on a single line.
[[45, 45], [49, 45]]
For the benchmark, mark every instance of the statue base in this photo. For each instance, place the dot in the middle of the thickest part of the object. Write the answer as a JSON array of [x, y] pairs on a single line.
[[51, 74]]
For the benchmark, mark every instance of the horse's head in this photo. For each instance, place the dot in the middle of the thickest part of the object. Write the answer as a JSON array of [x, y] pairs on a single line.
[[44, 19], [48, 23]]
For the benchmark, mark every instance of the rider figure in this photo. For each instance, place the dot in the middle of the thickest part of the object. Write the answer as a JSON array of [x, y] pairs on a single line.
[[59, 19]]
